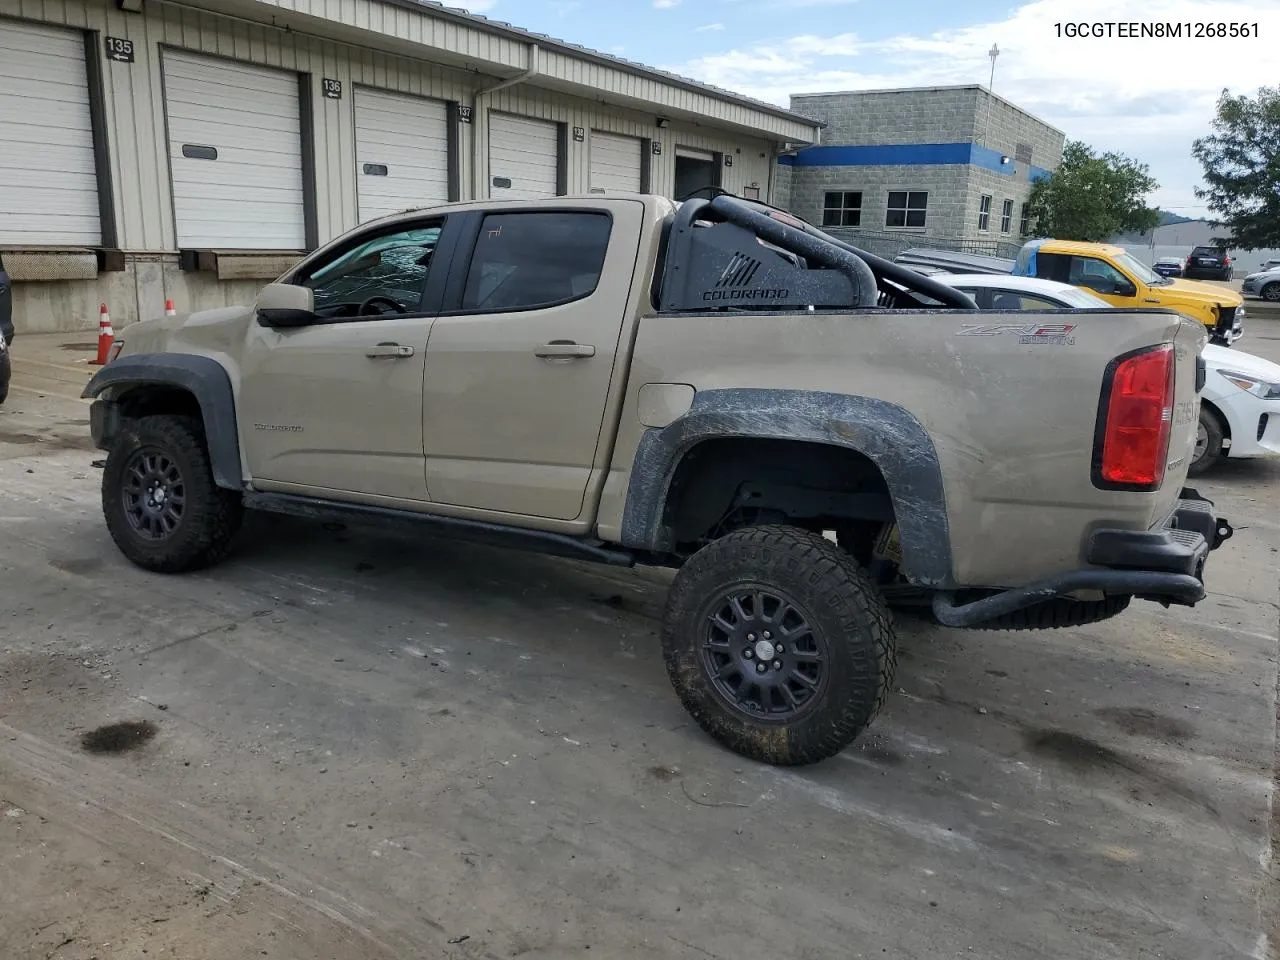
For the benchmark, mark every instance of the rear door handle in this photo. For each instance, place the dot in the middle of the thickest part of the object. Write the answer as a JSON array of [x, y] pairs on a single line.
[[564, 349], [393, 351]]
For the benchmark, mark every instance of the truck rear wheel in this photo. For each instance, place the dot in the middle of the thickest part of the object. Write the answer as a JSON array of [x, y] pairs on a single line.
[[161, 505], [778, 645]]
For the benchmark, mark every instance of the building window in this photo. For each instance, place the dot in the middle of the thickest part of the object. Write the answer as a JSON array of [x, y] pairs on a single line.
[[842, 209], [1025, 226], [906, 209], [1006, 216], [1022, 153], [984, 212]]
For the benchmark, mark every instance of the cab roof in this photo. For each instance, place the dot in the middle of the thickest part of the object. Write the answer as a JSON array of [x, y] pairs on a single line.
[[1080, 246]]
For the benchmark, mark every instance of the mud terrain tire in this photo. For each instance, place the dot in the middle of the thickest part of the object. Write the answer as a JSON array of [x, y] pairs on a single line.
[[161, 505], [778, 644]]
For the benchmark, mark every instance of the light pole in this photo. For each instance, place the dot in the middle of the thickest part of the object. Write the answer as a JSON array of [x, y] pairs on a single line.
[[992, 53]]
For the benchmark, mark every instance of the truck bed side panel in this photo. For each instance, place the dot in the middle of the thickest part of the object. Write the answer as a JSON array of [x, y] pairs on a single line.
[[1010, 400]]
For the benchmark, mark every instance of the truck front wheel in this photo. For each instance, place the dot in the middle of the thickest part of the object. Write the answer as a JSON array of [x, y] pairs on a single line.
[[161, 505], [778, 644]]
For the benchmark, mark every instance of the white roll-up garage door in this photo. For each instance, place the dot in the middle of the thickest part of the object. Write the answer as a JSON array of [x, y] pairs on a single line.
[[402, 152], [235, 152], [523, 157], [48, 180], [615, 162]]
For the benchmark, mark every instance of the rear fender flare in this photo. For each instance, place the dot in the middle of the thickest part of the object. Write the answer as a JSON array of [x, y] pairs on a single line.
[[202, 377], [884, 432]]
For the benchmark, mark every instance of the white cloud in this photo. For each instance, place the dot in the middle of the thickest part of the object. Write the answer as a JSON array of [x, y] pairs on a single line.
[[708, 26], [1147, 97], [665, 4]]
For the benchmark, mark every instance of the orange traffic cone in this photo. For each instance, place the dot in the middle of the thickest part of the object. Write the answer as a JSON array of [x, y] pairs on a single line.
[[106, 336], [168, 309]]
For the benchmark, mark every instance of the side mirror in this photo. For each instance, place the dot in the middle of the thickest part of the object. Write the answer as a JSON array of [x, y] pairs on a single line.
[[286, 305], [1126, 289]]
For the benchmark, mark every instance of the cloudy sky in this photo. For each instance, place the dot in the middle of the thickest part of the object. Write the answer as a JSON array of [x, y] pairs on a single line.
[[1147, 98]]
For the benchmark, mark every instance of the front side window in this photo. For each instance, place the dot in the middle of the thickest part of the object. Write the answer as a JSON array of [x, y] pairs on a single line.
[[984, 212], [523, 261], [906, 208], [842, 208], [1096, 275], [1006, 216], [383, 275]]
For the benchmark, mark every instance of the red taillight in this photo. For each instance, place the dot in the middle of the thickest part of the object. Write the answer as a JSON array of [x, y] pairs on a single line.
[[1135, 420]]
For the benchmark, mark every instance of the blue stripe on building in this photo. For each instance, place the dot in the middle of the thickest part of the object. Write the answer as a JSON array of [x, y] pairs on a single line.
[[910, 155]]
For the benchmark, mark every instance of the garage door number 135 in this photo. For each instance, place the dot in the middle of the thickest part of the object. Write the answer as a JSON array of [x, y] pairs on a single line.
[[119, 49]]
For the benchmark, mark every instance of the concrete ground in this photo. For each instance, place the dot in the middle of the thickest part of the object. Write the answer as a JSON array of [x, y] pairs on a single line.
[[340, 746]]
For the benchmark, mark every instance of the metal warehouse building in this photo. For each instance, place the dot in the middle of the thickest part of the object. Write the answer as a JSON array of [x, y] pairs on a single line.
[[155, 149], [952, 166]]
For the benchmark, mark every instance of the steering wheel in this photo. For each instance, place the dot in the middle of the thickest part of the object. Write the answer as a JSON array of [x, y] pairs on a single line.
[[379, 299]]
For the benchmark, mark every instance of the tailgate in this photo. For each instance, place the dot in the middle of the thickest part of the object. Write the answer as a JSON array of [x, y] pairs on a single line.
[[1188, 343]]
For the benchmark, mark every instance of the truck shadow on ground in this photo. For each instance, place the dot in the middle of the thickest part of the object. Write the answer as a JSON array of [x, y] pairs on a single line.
[[951, 714]]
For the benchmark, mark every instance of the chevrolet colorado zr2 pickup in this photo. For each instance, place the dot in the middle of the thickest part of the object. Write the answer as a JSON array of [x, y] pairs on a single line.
[[715, 387]]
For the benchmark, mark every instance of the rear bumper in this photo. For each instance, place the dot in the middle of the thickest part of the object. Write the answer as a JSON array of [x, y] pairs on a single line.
[[1165, 564]]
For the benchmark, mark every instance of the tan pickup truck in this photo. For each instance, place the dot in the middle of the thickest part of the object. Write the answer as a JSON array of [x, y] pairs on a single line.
[[714, 387]]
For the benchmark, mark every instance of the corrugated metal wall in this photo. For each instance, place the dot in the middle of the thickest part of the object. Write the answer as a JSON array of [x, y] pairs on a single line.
[[135, 118]]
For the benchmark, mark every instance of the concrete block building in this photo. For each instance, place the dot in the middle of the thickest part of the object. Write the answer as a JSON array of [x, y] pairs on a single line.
[[953, 165], [194, 149]]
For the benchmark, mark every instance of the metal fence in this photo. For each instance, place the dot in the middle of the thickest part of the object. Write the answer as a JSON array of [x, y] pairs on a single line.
[[889, 245]]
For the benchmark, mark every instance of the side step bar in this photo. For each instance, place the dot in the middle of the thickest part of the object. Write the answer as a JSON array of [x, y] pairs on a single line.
[[475, 531]]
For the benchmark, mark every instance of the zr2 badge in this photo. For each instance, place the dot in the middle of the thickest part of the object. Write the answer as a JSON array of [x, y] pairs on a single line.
[[1053, 333]]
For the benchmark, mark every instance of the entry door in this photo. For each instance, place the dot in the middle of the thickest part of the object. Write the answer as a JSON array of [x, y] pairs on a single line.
[[335, 407], [518, 374]]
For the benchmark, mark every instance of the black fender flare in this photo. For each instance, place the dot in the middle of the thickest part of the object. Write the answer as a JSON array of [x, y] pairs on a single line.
[[884, 432], [205, 379]]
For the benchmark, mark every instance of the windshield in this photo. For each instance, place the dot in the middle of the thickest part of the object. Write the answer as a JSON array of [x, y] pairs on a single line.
[[1142, 271]]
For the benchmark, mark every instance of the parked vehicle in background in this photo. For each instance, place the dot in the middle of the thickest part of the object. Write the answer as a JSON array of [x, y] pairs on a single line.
[[1168, 267], [1239, 405], [1207, 263], [584, 376], [995, 292], [1239, 408], [6, 370], [1273, 264], [1108, 271], [1264, 284], [6, 305]]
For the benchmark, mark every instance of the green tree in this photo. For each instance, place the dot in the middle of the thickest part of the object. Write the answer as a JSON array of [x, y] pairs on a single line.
[[1093, 197], [1241, 160]]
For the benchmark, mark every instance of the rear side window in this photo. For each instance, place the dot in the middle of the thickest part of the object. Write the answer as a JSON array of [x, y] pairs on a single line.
[[523, 261], [1053, 266]]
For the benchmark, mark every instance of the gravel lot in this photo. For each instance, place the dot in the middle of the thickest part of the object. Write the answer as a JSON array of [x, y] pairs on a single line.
[[342, 746]]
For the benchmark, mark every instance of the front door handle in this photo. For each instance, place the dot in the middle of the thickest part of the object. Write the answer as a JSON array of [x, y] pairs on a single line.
[[393, 351], [1150, 299], [564, 349]]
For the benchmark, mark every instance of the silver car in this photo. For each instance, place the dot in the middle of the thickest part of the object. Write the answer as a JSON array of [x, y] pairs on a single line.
[[1264, 284]]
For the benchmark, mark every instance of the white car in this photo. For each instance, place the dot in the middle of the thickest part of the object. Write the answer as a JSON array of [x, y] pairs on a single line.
[[1240, 403]]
